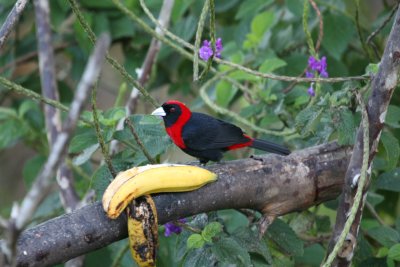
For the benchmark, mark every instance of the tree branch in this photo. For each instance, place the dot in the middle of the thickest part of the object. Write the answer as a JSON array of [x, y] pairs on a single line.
[[383, 85], [148, 63], [272, 184], [11, 20], [69, 197]]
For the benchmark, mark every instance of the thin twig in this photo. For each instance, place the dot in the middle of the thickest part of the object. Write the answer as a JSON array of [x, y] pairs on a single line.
[[139, 142], [321, 25], [317, 46], [197, 41], [374, 213], [359, 32], [152, 52], [33, 95], [100, 137], [11, 20], [386, 21], [233, 115], [360, 187], [29, 56], [148, 63]]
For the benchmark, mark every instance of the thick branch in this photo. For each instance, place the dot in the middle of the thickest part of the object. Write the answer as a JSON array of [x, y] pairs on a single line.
[[383, 85], [272, 184]]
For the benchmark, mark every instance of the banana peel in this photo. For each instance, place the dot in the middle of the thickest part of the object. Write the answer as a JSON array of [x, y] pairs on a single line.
[[143, 230], [145, 180], [136, 184]]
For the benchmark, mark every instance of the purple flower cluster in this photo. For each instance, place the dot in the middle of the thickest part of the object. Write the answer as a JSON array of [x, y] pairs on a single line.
[[206, 51], [316, 67], [171, 227]]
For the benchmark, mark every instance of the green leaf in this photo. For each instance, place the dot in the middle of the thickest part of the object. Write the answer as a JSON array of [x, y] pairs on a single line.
[[384, 235], [102, 176], [6, 113], [211, 230], [302, 222], [372, 68], [149, 120], [307, 119], [115, 114], [323, 223], [225, 93], [185, 27], [334, 26], [393, 116], [394, 252], [392, 149], [82, 141], [100, 23], [121, 27], [10, 131], [389, 180], [251, 242], [250, 8], [346, 127], [375, 198], [313, 256], [26, 106], [262, 22], [251, 110], [243, 76], [85, 155], [227, 250], [195, 241], [199, 258], [271, 64], [31, 169], [285, 238], [259, 25]]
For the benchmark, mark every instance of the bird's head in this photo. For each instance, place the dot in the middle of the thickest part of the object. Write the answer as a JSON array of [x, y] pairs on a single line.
[[172, 111]]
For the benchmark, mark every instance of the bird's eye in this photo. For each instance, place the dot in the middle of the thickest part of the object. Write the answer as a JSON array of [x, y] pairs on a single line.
[[172, 110]]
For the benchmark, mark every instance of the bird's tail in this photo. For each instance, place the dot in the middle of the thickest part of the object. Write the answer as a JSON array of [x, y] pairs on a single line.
[[269, 147]]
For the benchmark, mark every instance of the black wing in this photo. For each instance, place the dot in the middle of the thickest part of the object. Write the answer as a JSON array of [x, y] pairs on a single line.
[[203, 132]]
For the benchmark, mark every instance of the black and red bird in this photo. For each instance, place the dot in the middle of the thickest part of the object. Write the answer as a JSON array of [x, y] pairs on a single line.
[[205, 137]]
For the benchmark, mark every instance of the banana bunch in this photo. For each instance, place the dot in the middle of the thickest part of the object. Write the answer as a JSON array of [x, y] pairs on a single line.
[[142, 215]]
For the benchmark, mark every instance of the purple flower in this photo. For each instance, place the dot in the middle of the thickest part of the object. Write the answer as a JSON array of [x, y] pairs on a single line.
[[310, 90], [318, 66], [218, 48], [309, 74], [171, 227], [206, 51]]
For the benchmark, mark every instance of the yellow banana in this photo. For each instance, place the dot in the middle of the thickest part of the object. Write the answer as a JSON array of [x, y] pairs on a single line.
[[143, 230], [149, 179]]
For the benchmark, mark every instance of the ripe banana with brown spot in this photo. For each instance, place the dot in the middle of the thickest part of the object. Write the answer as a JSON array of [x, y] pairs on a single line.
[[143, 230], [149, 179]]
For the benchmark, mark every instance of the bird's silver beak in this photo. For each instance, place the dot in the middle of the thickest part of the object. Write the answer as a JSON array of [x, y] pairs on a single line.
[[159, 112]]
